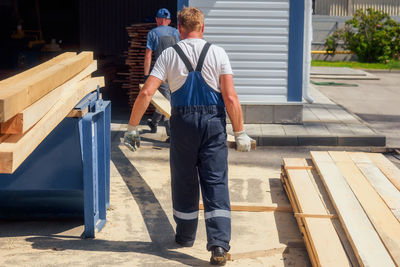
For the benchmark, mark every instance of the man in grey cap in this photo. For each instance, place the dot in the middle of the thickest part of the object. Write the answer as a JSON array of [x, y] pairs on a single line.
[[158, 39]]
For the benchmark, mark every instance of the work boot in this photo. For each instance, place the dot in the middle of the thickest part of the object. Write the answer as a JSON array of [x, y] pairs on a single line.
[[153, 127], [218, 256]]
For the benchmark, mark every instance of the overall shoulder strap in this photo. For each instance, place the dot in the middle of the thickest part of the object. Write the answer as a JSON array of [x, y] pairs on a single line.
[[183, 57], [202, 57]]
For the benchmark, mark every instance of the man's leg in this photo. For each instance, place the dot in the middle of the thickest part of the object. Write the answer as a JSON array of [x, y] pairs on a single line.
[[184, 179], [213, 172]]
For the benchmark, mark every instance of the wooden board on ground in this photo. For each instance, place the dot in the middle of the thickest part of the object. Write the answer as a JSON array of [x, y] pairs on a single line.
[[387, 167], [257, 208], [24, 120], [324, 240], [16, 98], [383, 220], [78, 113], [35, 70], [15, 149], [378, 180], [164, 106], [366, 243]]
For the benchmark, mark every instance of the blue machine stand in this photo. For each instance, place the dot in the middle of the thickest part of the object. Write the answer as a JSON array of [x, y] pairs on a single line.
[[68, 174]]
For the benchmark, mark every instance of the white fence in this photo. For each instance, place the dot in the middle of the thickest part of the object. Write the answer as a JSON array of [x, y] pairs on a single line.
[[348, 7]]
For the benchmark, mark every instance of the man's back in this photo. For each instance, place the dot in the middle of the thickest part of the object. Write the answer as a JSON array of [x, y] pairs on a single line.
[[161, 38]]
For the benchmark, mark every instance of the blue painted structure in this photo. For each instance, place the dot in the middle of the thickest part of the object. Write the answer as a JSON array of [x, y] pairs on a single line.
[[68, 174], [296, 44]]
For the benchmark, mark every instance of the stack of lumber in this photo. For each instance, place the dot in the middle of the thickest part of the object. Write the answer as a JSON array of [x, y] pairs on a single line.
[[347, 205], [135, 60], [34, 102]]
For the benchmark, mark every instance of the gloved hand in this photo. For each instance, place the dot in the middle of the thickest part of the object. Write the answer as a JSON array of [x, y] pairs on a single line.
[[132, 138], [243, 141]]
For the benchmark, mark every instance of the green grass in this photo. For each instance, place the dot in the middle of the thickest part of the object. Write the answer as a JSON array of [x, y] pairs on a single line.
[[356, 65]]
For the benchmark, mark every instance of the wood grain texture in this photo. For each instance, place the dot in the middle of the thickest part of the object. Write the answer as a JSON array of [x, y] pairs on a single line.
[[378, 180], [382, 219], [365, 241], [387, 168], [15, 98], [24, 120], [12, 154], [324, 240], [32, 71]]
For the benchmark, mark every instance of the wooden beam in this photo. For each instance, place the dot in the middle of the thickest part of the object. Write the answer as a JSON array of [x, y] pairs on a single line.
[[387, 167], [78, 113], [365, 241], [383, 220], [255, 208], [164, 106], [12, 154], [378, 180], [16, 98], [24, 120], [35, 70], [309, 215], [324, 240]]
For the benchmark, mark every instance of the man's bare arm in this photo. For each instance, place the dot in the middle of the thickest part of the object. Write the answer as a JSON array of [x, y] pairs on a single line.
[[231, 101], [147, 61], [143, 100]]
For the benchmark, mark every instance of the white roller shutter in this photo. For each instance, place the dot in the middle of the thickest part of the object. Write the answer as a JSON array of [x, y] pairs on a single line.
[[255, 35]]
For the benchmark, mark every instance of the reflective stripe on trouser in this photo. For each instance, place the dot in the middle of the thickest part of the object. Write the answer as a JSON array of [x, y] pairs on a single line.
[[199, 154]]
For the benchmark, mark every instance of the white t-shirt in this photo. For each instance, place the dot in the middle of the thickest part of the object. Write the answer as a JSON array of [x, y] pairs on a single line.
[[170, 68]]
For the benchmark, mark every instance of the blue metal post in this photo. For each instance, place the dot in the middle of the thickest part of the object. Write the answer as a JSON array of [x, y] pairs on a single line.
[[296, 42]]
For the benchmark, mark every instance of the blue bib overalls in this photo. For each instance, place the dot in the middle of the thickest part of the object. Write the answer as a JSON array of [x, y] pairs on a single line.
[[199, 154]]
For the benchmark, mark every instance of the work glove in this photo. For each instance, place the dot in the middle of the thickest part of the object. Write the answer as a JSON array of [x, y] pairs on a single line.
[[243, 141], [132, 138]]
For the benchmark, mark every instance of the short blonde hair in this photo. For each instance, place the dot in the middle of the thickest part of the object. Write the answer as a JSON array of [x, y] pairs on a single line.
[[191, 19]]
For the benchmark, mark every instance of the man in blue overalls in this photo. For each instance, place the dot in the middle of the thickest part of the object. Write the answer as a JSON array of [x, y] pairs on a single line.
[[202, 91], [158, 39]]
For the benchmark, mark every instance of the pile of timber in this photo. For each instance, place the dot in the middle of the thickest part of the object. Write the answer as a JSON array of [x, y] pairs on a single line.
[[34, 102], [135, 60], [347, 205]]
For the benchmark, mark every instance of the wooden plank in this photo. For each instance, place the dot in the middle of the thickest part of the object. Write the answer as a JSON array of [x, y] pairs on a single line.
[[383, 220], [3, 137], [309, 215], [378, 180], [300, 221], [16, 98], [12, 154], [78, 113], [32, 71], [255, 208], [324, 240], [23, 121], [366, 243], [164, 106], [387, 167]]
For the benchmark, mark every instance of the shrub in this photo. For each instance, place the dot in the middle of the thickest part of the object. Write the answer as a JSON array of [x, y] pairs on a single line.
[[372, 35]]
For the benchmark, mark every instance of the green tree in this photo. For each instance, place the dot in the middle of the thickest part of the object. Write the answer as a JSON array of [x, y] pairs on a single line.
[[372, 35]]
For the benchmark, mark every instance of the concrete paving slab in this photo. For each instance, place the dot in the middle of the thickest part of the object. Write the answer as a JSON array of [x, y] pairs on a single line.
[[339, 129], [316, 129], [272, 129], [294, 130]]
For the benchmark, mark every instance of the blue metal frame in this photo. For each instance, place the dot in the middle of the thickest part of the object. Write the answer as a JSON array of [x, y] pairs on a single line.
[[48, 185], [296, 43]]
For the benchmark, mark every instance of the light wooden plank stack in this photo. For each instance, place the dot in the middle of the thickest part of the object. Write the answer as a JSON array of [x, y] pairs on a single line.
[[34, 102], [322, 241], [362, 187], [135, 60]]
